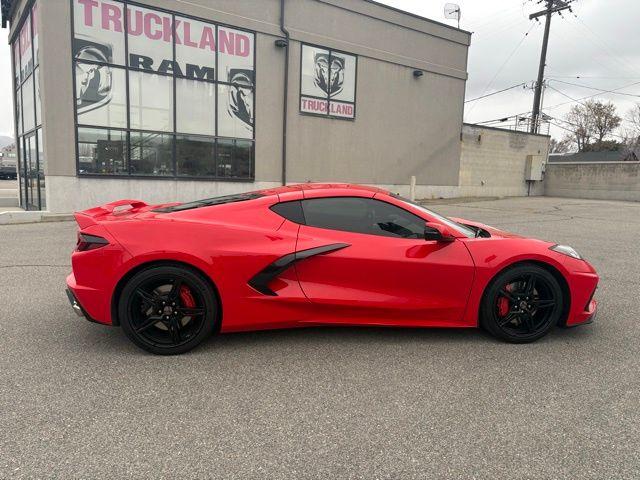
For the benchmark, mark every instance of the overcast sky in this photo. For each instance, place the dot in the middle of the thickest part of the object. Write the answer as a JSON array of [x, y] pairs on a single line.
[[600, 44]]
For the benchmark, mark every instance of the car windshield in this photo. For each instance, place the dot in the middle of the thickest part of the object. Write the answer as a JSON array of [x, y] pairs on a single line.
[[458, 227]]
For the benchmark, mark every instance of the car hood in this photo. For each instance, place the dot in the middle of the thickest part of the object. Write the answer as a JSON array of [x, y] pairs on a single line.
[[495, 232]]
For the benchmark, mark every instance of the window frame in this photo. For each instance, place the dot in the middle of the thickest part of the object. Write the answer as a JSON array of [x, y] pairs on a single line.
[[174, 132], [328, 97], [18, 90], [373, 199]]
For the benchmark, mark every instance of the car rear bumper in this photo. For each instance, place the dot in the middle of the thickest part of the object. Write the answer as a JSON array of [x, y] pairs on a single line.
[[87, 302], [75, 305]]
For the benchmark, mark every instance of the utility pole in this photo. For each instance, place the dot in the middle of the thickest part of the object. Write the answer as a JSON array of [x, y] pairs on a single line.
[[552, 6]]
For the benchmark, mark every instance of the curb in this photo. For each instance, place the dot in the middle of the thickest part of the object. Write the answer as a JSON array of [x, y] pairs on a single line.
[[21, 216]]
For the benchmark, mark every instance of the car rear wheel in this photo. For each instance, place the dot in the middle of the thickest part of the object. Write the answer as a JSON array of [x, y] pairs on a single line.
[[522, 304], [167, 310]]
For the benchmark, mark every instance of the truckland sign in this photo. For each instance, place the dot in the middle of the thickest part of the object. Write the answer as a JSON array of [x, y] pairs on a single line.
[[203, 51], [327, 82]]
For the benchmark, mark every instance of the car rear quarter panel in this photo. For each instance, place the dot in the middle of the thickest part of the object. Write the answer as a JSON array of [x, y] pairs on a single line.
[[229, 244]]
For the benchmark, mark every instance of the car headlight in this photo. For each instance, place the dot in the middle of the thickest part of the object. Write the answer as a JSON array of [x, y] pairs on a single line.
[[566, 250]]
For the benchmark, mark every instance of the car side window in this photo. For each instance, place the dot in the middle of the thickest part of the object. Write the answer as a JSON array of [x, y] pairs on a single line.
[[292, 211], [362, 215]]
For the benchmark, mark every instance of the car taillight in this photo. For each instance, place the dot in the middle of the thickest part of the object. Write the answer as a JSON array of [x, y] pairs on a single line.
[[90, 242]]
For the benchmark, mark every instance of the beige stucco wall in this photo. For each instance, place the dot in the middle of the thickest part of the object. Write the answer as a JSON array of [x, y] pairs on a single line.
[[404, 126], [604, 181], [493, 161]]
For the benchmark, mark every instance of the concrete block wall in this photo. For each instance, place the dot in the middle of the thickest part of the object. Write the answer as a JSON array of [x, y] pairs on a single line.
[[493, 161], [602, 181]]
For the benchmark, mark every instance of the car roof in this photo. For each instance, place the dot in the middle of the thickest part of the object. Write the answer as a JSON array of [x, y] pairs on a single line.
[[329, 188]]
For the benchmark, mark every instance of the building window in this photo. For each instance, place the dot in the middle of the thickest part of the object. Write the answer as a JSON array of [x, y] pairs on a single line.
[[328, 82], [102, 151], [28, 113], [177, 91]]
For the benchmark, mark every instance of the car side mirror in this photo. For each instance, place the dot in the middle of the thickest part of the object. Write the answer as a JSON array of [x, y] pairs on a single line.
[[437, 232]]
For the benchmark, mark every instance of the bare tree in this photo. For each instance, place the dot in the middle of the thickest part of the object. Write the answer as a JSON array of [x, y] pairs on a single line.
[[581, 124], [560, 146], [632, 133], [592, 121], [605, 118]]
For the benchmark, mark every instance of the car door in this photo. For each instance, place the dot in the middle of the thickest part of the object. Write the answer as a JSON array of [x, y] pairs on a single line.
[[378, 268]]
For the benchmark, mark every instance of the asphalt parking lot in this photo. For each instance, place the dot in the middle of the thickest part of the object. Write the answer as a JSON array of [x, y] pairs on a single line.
[[78, 400]]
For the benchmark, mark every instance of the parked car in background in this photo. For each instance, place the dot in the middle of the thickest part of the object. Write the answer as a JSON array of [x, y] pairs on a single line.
[[8, 168]]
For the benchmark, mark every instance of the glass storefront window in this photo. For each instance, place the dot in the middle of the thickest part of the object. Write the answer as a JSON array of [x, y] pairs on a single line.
[[101, 95], [36, 75], [34, 28], [16, 63], [150, 38], [102, 151], [235, 49], [151, 153], [28, 107], [18, 111], [26, 55], [225, 163], [243, 158], [153, 75], [195, 107], [28, 113], [196, 52], [150, 101], [235, 109], [196, 156], [98, 31], [41, 169]]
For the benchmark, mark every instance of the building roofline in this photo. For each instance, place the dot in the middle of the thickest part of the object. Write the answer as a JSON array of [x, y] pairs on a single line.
[[415, 15], [475, 125], [6, 12]]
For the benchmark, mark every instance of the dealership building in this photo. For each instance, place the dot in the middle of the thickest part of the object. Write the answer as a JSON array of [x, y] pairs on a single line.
[[177, 100]]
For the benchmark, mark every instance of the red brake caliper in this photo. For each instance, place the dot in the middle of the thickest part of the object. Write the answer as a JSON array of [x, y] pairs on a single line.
[[503, 303], [186, 297]]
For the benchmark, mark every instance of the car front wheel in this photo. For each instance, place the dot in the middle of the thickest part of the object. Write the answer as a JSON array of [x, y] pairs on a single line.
[[522, 304]]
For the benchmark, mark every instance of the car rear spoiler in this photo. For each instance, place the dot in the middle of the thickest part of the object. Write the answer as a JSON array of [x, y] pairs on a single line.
[[89, 217]]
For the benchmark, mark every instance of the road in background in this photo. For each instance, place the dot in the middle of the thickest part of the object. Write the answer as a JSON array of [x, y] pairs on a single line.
[[78, 400]]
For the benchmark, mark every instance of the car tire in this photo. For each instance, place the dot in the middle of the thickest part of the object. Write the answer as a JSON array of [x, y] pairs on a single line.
[[521, 304], [168, 309]]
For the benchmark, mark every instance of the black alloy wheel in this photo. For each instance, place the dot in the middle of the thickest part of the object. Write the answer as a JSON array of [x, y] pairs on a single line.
[[167, 309], [522, 304]]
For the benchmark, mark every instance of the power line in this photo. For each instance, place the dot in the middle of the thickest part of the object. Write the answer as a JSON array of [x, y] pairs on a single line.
[[611, 51], [504, 64], [501, 119], [592, 77], [495, 93], [594, 95], [598, 89]]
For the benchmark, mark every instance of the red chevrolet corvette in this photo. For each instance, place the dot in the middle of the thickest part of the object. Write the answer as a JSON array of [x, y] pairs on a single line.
[[315, 254]]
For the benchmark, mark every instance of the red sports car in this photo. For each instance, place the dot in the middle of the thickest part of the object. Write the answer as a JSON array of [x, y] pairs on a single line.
[[315, 254]]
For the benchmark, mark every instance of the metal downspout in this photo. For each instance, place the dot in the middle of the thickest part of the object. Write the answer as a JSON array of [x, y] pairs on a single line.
[[286, 94]]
